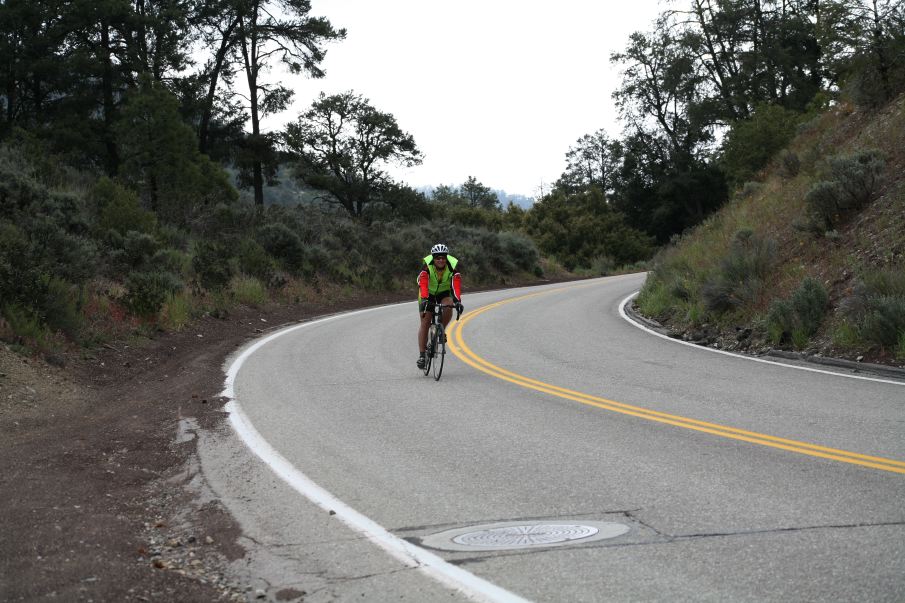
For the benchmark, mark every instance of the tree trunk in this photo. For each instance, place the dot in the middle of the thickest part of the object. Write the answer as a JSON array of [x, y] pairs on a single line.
[[109, 105], [882, 62], [207, 112], [11, 97], [250, 56]]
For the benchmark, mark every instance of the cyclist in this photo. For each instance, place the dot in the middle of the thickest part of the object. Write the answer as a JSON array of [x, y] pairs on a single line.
[[438, 281]]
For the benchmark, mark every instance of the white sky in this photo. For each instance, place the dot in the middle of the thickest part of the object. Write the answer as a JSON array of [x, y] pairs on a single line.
[[496, 89]]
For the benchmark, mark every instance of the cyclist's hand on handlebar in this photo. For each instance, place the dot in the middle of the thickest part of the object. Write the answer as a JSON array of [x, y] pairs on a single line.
[[422, 306], [459, 307]]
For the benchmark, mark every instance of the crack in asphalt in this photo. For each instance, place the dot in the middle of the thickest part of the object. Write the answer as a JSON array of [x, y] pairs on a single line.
[[670, 539], [789, 529]]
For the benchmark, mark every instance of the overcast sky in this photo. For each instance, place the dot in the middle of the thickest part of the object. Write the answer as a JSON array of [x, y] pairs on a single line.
[[496, 89]]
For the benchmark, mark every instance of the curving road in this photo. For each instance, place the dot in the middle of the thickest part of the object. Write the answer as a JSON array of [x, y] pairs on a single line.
[[736, 480]]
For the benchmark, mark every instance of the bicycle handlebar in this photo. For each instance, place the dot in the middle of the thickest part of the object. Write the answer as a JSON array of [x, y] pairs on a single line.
[[430, 307]]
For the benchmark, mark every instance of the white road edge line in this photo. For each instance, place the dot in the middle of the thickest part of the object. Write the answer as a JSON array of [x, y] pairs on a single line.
[[625, 315], [413, 556]]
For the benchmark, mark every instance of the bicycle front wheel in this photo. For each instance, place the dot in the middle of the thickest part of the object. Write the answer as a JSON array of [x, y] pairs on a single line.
[[439, 345], [429, 356]]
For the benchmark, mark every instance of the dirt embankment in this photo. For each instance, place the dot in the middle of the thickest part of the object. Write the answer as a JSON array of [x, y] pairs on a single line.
[[95, 495], [92, 474]]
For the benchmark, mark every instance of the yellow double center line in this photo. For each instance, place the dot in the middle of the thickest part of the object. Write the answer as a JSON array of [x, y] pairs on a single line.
[[468, 356]]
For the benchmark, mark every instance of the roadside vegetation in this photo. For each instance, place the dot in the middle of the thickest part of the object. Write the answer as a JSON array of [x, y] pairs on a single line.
[[138, 190], [810, 256]]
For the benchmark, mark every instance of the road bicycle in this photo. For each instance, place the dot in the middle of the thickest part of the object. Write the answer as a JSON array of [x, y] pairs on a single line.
[[436, 340]]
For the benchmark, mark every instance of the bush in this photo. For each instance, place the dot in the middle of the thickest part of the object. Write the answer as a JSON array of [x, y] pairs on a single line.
[[25, 325], [798, 318], [809, 302], [118, 209], [138, 249], [822, 202], [211, 263], [859, 177], [146, 292], [877, 306], [170, 260], [283, 244], [254, 260], [789, 164], [60, 307], [850, 182], [654, 299], [739, 279], [780, 321], [884, 321]]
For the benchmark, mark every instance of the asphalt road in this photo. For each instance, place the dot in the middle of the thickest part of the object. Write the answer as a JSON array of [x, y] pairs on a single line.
[[736, 480]]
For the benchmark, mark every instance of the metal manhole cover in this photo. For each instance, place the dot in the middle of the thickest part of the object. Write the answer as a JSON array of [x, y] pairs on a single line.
[[520, 535]]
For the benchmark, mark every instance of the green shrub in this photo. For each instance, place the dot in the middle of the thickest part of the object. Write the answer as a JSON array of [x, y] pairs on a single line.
[[18, 189], [822, 202], [798, 318], [254, 260], [800, 338], [750, 188], [877, 306], [249, 291], [170, 260], [809, 302], [138, 248], [283, 244], [739, 279], [780, 321], [212, 266], [60, 307], [119, 209], [886, 281], [654, 299], [146, 292], [884, 320], [859, 177], [789, 164], [845, 335], [26, 325]]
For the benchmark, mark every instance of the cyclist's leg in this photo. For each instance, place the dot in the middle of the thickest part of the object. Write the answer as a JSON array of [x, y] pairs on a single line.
[[422, 329], [422, 332], [447, 303]]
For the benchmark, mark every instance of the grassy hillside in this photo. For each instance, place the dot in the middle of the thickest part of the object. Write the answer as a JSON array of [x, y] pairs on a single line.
[[809, 257]]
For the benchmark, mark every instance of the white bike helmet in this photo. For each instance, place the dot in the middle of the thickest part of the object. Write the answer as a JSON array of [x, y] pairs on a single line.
[[439, 249]]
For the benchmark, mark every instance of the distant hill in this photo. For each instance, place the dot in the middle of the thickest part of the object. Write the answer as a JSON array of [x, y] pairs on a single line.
[[505, 198], [520, 200]]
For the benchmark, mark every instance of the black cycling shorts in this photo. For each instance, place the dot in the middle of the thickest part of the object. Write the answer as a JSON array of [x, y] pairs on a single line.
[[438, 298]]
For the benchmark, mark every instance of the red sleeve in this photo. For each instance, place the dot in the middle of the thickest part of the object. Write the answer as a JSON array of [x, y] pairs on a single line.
[[457, 285], [423, 278]]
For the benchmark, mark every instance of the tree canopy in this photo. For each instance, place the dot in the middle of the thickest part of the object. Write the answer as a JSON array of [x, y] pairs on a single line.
[[344, 145]]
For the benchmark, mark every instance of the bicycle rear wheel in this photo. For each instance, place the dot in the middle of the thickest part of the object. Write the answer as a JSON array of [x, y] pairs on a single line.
[[430, 350], [439, 344]]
